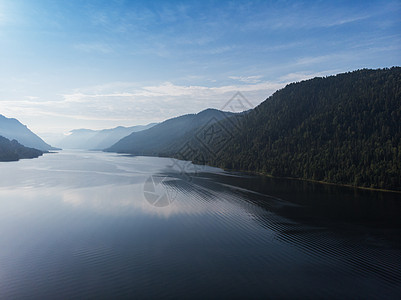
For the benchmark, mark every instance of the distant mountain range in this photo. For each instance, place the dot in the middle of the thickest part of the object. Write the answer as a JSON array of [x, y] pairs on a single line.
[[167, 137], [98, 139], [343, 129], [13, 151], [12, 129]]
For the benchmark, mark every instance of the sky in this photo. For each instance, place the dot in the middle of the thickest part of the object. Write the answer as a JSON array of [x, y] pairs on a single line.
[[100, 64]]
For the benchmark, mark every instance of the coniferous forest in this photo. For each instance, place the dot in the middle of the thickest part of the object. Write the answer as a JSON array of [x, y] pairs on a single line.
[[343, 129]]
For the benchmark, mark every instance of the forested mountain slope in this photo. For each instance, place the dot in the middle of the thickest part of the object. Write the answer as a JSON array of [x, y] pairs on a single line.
[[342, 129]]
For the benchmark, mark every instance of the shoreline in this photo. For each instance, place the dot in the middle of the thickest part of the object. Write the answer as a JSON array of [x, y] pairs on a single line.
[[314, 181], [279, 177]]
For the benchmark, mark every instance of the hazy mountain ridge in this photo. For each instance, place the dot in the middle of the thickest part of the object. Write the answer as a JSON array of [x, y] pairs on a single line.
[[13, 151], [12, 129], [163, 139], [98, 139]]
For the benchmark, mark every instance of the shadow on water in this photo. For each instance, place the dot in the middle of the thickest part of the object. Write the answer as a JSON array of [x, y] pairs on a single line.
[[303, 201], [87, 225], [308, 201], [335, 226]]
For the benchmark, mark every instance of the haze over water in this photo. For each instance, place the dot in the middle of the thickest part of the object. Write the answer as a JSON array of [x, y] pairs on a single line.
[[90, 224]]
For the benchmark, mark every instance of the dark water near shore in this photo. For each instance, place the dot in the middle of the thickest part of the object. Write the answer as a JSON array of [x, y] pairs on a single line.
[[100, 225]]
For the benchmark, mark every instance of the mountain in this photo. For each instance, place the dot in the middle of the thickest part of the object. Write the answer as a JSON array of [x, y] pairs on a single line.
[[343, 129], [13, 129], [164, 138], [13, 151], [77, 139], [98, 139]]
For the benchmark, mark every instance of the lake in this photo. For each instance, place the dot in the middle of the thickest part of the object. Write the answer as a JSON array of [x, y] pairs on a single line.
[[102, 225]]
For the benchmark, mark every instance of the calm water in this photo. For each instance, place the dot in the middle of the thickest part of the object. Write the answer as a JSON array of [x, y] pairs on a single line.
[[88, 224]]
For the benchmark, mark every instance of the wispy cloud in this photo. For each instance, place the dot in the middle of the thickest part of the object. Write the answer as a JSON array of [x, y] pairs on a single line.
[[331, 57], [166, 58], [247, 79], [307, 15], [122, 103], [299, 76], [94, 47], [342, 21]]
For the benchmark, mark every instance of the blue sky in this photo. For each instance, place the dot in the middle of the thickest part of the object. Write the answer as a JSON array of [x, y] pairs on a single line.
[[100, 64]]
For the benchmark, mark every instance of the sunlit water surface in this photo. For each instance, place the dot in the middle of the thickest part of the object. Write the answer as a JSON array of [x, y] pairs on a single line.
[[101, 225]]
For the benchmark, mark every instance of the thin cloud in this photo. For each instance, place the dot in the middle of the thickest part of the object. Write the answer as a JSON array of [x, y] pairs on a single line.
[[299, 76], [94, 47], [150, 103], [247, 79], [341, 21], [312, 60]]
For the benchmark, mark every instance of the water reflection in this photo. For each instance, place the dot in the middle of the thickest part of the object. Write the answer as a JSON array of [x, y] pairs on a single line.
[[79, 224]]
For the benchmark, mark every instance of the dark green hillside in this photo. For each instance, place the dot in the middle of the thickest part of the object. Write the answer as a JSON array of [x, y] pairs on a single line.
[[12, 150], [342, 129]]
